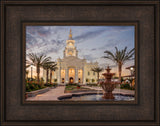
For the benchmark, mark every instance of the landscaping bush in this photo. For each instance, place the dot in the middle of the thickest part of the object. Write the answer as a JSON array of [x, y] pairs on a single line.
[[32, 86], [55, 84], [55, 80], [71, 84], [127, 86], [48, 85], [92, 84]]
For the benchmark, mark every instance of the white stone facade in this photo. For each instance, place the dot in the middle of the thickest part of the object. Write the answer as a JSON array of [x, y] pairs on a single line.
[[72, 69]]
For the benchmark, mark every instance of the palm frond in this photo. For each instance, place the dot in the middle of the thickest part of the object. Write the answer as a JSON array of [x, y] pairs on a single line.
[[97, 69], [120, 56]]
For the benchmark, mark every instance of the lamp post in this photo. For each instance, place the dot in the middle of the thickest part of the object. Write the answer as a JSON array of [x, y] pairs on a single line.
[[132, 70]]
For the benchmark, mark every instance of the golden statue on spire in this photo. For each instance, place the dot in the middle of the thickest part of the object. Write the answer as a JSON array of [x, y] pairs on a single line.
[[70, 34]]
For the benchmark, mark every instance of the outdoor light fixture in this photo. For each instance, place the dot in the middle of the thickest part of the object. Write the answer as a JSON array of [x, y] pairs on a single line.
[[131, 68]]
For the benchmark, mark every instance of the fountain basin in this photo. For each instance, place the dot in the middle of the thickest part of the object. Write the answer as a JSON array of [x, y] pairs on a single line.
[[96, 97]]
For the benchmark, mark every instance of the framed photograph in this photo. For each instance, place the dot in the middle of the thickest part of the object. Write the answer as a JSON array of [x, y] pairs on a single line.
[[61, 68], [80, 63]]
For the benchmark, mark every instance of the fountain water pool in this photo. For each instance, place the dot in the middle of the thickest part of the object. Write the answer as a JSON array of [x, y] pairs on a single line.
[[97, 97]]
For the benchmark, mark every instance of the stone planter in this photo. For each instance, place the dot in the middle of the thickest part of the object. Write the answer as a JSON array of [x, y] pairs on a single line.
[[67, 91], [34, 93]]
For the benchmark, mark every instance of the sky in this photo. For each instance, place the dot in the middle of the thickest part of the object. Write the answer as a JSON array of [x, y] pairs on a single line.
[[91, 42]]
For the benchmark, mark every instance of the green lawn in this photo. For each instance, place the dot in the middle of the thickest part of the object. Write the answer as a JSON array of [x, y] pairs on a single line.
[[72, 87]]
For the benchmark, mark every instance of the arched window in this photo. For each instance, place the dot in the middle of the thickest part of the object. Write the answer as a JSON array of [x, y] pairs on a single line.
[[88, 73]]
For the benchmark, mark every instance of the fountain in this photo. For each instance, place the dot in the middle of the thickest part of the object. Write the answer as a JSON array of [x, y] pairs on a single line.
[[108, 85]]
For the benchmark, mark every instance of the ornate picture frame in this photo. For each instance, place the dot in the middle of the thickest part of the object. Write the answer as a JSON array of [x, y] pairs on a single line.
[[15, 111]]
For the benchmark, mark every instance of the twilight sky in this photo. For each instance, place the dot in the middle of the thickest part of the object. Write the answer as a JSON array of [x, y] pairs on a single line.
[[91, 42]]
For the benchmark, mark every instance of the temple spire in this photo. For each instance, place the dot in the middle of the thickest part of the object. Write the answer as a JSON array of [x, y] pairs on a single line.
[[70, 34]]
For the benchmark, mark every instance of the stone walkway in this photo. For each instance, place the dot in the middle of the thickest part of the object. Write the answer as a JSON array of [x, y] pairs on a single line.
[[53, 94]]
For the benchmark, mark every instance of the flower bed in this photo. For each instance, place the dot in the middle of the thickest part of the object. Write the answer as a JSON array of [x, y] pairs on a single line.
[[92, 84], [127, 86], [31, 86], [74, 87]]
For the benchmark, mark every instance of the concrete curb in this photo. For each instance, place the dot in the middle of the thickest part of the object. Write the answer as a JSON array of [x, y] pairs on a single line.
[[34, 93]]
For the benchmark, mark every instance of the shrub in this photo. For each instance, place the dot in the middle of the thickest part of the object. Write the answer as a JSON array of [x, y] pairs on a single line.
[[48, 85], [32, 86], [115, 77], [127, 86], [55, 84], [91, 84], [55, 80], [71, 84], [122, 79], [78, 86]]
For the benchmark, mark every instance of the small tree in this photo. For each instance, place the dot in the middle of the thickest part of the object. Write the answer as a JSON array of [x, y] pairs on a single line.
[[47, 67], [52, 68], [97, 70]]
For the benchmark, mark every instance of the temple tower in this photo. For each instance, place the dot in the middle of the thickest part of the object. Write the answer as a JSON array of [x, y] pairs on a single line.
[[70, 49]]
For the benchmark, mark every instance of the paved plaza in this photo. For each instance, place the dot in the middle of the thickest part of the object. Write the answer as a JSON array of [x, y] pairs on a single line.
[[53, 94]]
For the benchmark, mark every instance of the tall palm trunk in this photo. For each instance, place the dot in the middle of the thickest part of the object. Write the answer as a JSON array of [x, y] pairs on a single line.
[[50, 77], [46, 75], [26, 74], [120, 70], [98, 77], [38, 72]]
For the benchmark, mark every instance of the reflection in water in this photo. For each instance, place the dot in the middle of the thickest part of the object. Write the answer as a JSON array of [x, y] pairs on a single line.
[[98, 97]]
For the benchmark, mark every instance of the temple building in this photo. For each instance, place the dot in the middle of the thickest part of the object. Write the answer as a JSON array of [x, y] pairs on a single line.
[[72, 69]]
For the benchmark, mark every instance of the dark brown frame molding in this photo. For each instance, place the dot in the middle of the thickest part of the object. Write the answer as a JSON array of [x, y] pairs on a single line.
[[22, 115]]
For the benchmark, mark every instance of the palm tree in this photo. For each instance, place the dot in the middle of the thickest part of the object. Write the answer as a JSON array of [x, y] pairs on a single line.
[[38, 61], [120, 57], [47, 66], [52, 68], [27, 65], [97, 70]]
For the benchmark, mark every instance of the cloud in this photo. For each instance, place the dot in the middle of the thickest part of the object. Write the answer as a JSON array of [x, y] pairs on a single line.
[[88, 57], [89, 35], [93, 49]]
